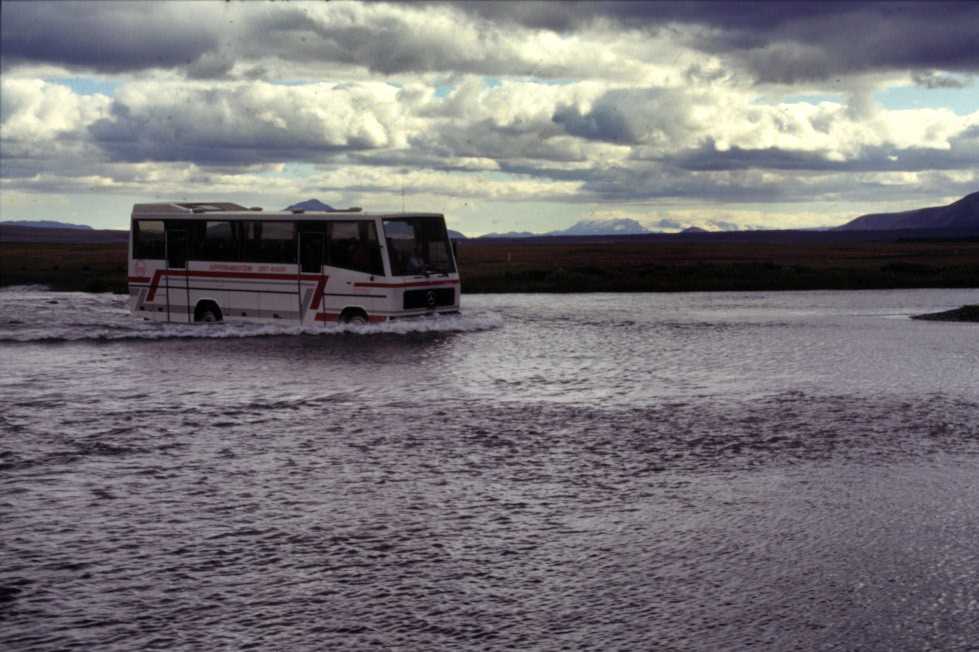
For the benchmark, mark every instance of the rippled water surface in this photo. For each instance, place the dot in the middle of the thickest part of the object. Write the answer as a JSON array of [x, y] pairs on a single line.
[[638, 471]]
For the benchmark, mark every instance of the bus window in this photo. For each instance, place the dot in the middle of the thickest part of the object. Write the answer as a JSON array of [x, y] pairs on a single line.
[[311, 237], [354, 245], [176, 244], [270, 242], [418, 245], [148, 239], [219, 242]]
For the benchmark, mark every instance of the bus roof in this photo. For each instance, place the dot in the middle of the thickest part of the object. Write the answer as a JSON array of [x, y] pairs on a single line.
[[228, 210]]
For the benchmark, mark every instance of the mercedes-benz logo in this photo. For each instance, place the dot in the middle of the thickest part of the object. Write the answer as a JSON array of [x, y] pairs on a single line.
[[430, 298]]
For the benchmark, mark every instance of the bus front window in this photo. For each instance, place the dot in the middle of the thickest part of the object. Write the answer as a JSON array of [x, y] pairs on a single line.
[[418, 245]]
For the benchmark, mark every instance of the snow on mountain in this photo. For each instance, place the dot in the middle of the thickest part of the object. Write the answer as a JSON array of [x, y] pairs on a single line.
[[621, 226], [513, 234]]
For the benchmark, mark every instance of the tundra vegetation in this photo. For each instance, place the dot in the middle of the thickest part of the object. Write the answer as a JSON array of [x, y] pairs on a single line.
[[663, 265]]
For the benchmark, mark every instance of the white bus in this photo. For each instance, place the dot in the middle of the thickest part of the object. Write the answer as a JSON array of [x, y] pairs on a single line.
[[214, 261]]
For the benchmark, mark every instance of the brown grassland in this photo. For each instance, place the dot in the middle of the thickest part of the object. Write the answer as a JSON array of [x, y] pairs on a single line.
[[88, 267], [561, 266], [700, 266]]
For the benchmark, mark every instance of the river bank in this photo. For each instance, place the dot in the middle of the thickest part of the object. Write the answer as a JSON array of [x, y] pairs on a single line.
[[613, 266]]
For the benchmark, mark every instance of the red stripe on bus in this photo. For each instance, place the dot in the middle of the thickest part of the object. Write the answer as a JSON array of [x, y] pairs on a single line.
[[258, 276], [154, 284], [318, 293], [417, 284]]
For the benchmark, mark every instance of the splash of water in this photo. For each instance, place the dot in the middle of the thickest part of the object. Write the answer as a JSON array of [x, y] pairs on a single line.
[[34, 314]]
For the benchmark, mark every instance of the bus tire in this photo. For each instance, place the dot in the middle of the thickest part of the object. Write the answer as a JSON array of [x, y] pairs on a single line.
[[207, 311], [354, 316]]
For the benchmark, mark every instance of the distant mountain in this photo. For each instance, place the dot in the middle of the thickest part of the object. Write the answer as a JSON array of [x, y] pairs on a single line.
[[44, 224], [513, 234], [963, 214], [310, 205], [694, 229], [622, 226], [455, 235], [72, 235]]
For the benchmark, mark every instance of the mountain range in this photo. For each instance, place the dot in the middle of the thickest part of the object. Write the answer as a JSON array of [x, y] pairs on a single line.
[[620, 226], [960, 215], [44, 224]]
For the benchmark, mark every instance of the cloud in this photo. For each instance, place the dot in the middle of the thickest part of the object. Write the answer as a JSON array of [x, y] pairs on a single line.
[[654, 116], [250, 40], [577, 143], [33, 110], [785, 43], [42, 128], [109, 37], [665, 223], [931, 79], [644, 42], [248, 123]]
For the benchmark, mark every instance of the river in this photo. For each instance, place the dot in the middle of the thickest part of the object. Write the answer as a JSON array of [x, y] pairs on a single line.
[[608, 471]]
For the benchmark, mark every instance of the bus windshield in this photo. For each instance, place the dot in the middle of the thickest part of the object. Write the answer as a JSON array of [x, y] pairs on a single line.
[[418, 245]]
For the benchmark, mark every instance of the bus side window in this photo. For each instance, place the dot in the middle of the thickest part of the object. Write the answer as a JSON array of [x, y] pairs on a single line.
[[368, 235], [148, 242], [353, 245], [269, 242], [277, 243], [219, 242]]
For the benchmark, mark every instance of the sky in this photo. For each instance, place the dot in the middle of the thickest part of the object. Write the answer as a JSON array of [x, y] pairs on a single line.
[[505, 116]]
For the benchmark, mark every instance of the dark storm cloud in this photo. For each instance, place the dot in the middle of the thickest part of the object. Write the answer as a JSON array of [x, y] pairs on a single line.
[[630, 116], [963, 154], [647, 183], [784, 41], [605, 122], [204, 40], [106, 37], [776, 42], [385, 46]]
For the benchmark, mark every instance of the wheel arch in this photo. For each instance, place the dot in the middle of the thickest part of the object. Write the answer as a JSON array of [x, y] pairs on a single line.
[[204, 304], [349, 312]]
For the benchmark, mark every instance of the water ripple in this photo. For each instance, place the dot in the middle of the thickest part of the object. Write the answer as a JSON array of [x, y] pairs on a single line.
[[717, 472]]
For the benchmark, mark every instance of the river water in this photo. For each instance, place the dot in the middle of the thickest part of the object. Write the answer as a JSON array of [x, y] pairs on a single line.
[[634, 471]]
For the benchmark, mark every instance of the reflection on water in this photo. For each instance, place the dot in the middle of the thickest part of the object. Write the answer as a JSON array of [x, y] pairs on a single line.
[[702, 471]]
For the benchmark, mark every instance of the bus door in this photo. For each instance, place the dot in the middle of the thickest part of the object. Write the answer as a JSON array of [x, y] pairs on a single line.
[[311, 240], [178, 284]]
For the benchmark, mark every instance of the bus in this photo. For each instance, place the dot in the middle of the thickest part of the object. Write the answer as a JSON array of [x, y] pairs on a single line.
[[219, 261]]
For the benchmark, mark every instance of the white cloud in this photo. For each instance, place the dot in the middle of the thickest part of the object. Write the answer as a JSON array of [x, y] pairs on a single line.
[[503, 141], [33, 110], [249, 122]]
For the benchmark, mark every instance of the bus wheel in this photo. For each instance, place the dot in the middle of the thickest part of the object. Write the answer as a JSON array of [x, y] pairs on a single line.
[[353, 316], [207, 311]]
